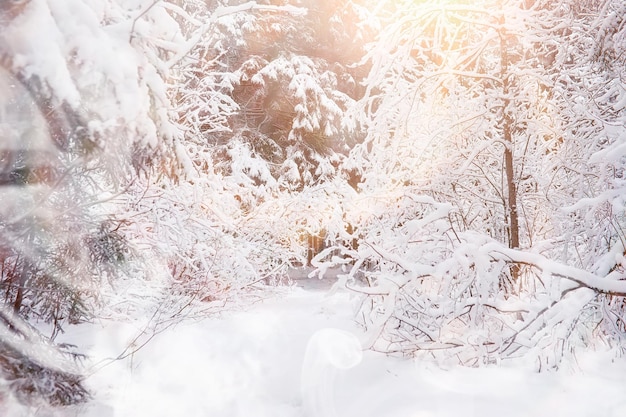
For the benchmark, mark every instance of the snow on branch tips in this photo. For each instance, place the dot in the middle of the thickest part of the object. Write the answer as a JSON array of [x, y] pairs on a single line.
[[223, 11]]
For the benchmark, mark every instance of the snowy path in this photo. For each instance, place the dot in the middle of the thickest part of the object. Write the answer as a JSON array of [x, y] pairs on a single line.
[[250, 364]]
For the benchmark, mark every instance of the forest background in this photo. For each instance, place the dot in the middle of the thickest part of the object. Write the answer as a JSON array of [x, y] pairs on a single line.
[[463, 162]]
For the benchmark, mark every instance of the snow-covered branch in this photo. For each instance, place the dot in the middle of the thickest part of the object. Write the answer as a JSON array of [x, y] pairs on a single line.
[[222, 12], [614, 283]]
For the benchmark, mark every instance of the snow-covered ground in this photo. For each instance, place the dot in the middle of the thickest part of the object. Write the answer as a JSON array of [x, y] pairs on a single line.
[[298, 356]]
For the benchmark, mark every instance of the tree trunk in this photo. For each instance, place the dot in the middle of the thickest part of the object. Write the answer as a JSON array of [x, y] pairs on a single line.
[[19, 296], [507, 124]]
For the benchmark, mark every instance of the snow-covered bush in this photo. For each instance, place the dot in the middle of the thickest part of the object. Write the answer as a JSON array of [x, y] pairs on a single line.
[[210, 237], [430, 289]]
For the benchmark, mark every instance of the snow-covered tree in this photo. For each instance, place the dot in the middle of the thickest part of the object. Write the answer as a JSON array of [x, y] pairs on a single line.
[[265, 119], [263, 87], [472, 152], [591, 82], [83, 107]]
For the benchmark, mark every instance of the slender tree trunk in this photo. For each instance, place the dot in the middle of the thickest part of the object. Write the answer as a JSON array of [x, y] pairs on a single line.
[[25, 271], [510, 181], [19, 296], [512, 194], [507, 124]]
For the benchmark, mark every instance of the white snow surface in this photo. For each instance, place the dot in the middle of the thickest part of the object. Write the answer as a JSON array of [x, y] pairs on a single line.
[[298, 355]]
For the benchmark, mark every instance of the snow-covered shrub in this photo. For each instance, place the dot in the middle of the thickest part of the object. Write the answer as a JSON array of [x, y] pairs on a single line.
[[196, 235], [432, 290]]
